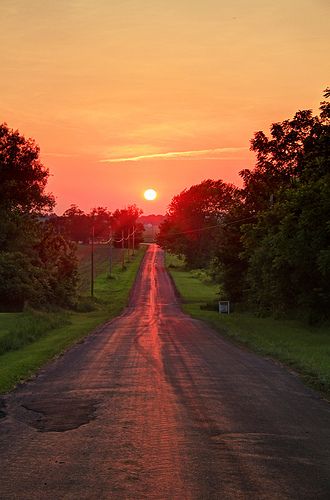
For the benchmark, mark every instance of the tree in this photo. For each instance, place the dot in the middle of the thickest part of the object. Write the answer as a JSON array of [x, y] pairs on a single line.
[[287, 248], [288, 253], [76, 224], [18, 280], [271, 239], [23, 178], [193, 218], [124, 221], [101, 219], [280, 158], [56, 259], [37, 265]]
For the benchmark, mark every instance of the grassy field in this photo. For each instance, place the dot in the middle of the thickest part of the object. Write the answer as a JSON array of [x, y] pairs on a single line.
[[29, 339], [304, 348], [101, 262]]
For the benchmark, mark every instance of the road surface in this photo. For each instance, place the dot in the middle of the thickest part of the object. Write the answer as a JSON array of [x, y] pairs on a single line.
[[156, 405]]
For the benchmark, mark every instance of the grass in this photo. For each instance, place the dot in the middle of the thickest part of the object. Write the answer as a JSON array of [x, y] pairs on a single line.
[[30, 339], [302, 347], [20, 329], [101, 263]]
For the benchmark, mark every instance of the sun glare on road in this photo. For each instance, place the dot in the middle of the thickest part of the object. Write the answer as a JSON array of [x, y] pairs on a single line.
[[150, 194]]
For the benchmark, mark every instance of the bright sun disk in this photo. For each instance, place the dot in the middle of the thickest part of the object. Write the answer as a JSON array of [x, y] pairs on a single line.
[[150, 194]]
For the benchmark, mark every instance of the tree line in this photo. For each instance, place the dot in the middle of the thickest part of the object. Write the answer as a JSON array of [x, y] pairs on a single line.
[[79, 227], [38, 261], [267, 243]]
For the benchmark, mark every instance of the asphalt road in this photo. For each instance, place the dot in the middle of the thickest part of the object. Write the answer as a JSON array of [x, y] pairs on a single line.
[[156, 405]]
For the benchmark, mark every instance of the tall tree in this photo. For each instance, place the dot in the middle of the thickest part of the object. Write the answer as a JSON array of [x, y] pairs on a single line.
[[280, 158], [287, 249], [23, 177], [37, 266]]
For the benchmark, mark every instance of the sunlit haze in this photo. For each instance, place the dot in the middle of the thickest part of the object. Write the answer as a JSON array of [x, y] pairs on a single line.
[[122, 95]]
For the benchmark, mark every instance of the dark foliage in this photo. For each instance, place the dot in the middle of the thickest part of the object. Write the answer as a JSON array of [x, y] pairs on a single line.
[[23, 178], [267, 243], [124, 223], [37, 265], [190, 226], [287, 249]]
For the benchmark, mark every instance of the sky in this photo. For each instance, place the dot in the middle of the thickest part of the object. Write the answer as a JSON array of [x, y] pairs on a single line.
[[125, 95]]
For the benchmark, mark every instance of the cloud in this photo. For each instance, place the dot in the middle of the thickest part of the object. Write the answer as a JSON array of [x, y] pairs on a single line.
[[206, 154]]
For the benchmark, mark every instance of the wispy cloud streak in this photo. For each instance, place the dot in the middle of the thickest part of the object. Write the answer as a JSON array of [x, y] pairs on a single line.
[[194, 154]]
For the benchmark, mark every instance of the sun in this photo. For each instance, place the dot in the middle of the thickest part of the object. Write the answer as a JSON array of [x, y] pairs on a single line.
[[150, 194]]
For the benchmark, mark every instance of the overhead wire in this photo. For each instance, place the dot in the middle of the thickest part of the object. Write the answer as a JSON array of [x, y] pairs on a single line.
[[112, 240], [188, 231], [211, 227]]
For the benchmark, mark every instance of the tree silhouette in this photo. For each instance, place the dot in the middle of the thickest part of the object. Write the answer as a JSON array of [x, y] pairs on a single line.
[[23, 177]]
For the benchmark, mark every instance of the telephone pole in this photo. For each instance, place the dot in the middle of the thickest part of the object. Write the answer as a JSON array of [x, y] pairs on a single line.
[[122, 249], [92, 262], [128, 242], [133, 241], [110, 255]]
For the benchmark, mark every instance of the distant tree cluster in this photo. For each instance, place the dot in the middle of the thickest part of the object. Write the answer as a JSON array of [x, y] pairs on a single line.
[[124, 223], [78, 226], [267, 243]]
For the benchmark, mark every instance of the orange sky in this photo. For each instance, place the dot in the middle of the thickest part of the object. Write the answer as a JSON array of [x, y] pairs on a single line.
[[109, 88]]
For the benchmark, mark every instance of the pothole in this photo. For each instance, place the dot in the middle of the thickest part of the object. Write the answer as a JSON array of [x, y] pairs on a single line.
[[58, 414]]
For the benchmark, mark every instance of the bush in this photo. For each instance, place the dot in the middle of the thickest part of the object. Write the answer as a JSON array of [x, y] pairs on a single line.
[[18, 281]]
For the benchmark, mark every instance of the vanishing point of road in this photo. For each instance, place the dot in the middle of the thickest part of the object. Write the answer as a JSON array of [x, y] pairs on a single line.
[[156, 405]]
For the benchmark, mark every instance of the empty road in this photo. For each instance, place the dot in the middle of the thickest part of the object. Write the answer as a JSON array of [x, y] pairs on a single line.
[[156, 405]]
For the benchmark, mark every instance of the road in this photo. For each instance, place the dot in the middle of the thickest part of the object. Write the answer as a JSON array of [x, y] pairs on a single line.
[[156, 405]]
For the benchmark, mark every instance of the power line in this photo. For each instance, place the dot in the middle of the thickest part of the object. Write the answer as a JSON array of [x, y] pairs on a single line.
[[213, 226], [112, 240]]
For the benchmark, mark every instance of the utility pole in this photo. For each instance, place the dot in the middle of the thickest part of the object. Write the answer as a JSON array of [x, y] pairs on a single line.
[[128, 242], [110, 255], [92, 262], [122, 249], [133, 241]]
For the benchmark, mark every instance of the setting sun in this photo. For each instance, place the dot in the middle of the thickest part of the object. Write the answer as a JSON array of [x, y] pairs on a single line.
[[150, 194]]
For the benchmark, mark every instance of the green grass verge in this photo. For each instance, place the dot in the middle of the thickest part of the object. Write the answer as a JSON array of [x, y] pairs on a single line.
[[304, 348], [64, 328], [20, 329]]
